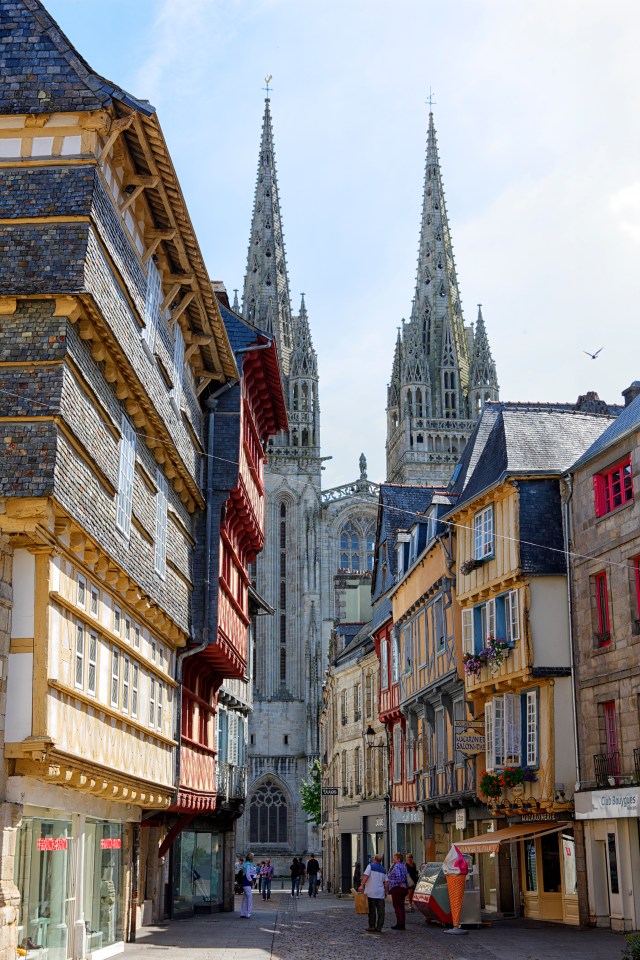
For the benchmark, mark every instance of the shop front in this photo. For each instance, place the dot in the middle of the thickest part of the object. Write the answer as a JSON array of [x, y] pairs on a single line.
[[197, 873], [363, 832], [544, 866], [409, 834], [69, 870], [612, 849]]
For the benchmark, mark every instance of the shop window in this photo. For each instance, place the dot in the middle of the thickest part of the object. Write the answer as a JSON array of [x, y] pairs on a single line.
[[103, 883], [44, 875], [613, 487], [550, 862], [569, 865], [483, 534], [613, 863], [268, 814], [530, 866]]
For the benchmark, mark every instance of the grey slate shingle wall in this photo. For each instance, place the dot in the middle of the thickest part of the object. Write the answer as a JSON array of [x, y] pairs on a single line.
[[541, 535]]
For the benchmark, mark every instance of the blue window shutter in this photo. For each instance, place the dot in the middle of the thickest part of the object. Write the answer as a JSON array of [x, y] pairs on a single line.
[[501, 622], [478, 640]]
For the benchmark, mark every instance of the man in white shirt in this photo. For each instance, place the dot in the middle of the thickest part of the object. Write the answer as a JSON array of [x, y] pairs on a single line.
[[248, 876], [374, 884]]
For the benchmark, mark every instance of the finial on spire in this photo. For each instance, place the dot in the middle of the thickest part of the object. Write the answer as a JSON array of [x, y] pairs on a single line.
[[267, 81], [430, 101]]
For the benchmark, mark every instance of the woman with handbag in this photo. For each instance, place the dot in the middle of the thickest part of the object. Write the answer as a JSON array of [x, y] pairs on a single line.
[[412, 879]]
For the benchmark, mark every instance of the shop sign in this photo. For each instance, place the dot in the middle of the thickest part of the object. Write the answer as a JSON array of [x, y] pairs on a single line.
[[603, 804], [541, 818], [410, 816], [111, 843], [329, 791], [380, 823], [461, 819], [470, 742], [53, 843]]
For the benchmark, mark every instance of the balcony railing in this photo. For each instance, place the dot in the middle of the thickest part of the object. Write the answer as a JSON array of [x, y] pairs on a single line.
[[231, 781], [451, 780], [607, 769]]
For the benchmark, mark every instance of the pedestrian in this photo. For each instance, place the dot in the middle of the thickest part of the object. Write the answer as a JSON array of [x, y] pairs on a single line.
[[259, 875], [248, 878], [412, 874], [266, 875], [375, 885], [398, 890], [357, 875], [301, 874], [295, 877], [313, 869]]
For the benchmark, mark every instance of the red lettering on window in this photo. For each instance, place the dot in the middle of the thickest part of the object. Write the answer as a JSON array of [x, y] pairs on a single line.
[[53, 843], [111, 843]]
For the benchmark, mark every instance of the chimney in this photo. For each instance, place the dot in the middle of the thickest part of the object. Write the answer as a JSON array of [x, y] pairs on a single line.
[[631, 392]]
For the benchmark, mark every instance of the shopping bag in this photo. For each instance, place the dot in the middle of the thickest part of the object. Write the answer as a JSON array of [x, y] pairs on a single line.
[[360, 901]]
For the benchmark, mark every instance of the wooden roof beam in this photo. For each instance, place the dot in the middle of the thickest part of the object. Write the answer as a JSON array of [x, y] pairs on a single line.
[[117, 127]]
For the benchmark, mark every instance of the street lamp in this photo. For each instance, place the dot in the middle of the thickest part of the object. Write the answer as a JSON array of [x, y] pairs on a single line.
[[370, 736]]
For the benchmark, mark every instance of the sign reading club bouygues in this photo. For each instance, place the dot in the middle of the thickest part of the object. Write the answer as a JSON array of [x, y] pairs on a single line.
[[470, 742]]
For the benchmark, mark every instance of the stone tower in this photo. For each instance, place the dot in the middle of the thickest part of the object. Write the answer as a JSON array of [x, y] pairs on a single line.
[[442, 371], [283, 730]]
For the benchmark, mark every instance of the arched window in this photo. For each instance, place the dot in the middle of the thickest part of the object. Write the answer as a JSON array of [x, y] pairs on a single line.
[[305, 396], [295, 396], [356, 547], [268, 814]]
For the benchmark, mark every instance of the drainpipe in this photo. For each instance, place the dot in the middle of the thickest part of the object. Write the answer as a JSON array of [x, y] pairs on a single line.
[[569, 484]]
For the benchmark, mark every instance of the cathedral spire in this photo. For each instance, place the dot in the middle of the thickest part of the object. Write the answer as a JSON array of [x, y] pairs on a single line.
[[430, 404], [304, 409], [265, 300], [483, 379]]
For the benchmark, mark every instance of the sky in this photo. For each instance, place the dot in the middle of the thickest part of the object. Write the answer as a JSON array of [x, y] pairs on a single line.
[[536, 112]]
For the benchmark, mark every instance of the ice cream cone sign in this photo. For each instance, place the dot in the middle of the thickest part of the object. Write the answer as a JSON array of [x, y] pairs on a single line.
[[455, 869]]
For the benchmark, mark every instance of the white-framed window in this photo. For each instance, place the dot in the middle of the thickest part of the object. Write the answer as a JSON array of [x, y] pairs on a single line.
[[397, 753], [410, 756], [368, 695], [160, 657], [459, 716], [178, 365], [124, 500], [395, 657], [357, 701], [152, 701], [79, 658], [126, 674], [136, 636], [115, 676], [82, 592], [127, 628], [503, 731], [345, 706], [117, 620], [154, 648], [512, 617], [345, 771], [531, 727], [483, 533], [135, 671], [439, 624], [92, 666], [159, 706], [357, 767], [407, 649], [152, 304], [467, 631], [95, 602], [160, 552], [384, 665], [487, 620]]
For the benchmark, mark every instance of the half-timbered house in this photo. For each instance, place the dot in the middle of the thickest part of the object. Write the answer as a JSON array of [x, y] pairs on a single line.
[[512, 587], [110, 337]]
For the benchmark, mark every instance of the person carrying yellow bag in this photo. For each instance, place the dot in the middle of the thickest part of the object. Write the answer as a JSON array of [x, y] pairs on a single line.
[[374, 883]]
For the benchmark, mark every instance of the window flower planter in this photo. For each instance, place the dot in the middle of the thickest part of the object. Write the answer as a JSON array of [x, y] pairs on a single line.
[[491, 656], [493, 784], [470, 565]]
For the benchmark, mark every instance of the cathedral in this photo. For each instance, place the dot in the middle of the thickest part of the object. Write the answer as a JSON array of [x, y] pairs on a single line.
[[315, 571]]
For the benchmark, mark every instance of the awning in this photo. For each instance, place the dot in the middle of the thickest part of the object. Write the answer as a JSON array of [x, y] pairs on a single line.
[[490, 842]]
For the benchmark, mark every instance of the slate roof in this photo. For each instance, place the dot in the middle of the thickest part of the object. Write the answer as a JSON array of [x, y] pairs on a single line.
[[626, 422], [525, 439], [241, 333], [398, 508], [41, 70], [358, 645]]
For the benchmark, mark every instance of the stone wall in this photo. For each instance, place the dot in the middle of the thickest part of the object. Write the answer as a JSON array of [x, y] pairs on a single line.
[[9, 813]]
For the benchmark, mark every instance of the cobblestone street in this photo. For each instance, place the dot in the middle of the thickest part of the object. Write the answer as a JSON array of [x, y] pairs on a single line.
[[326, 928]]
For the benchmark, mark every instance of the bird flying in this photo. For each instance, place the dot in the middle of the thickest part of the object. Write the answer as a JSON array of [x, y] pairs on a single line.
[[593, 355]]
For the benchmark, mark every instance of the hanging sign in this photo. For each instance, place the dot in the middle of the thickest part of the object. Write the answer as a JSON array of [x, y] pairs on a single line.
[[461, 819], [53, 843], [111, 843], [329, 791], [470, 742]]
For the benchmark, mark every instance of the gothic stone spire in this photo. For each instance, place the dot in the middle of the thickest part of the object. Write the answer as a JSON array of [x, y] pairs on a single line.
[[429, 412], [265, 300], [304, 409], [483, 379]]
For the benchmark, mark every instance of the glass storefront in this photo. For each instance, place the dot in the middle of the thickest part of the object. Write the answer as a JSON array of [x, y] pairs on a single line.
[[197, 873], [102, 894], [45, 874], [45, 861], [410, 839]]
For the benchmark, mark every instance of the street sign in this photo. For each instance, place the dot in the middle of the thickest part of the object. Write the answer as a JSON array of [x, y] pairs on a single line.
[[470, 743], [329, 791]]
